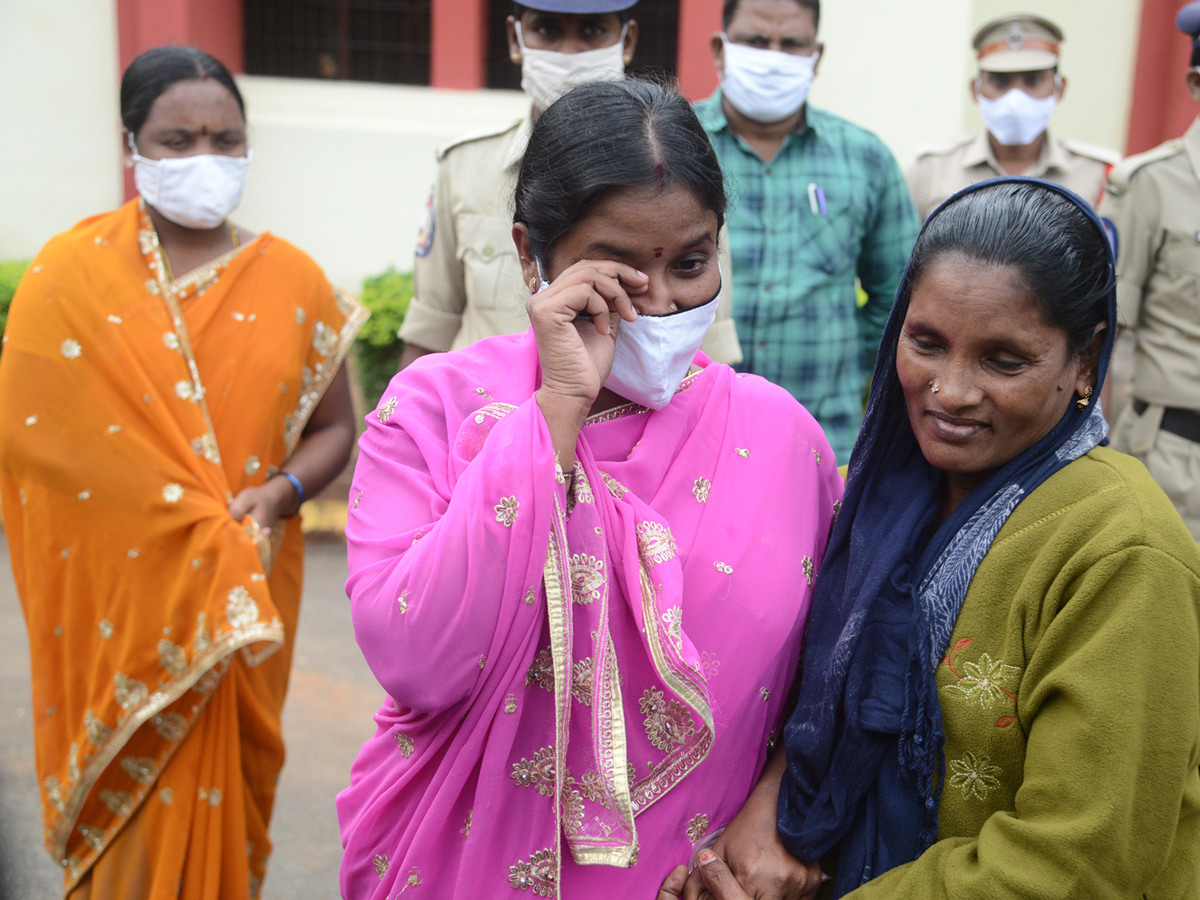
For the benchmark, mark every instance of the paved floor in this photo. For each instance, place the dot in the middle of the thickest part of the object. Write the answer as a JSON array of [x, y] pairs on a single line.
[[327, 716]]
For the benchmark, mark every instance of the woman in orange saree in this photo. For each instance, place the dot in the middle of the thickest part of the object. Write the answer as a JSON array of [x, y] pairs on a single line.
[[154, 432]]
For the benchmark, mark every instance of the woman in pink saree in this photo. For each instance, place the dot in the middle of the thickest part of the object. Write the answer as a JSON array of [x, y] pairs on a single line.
[[581, 559]]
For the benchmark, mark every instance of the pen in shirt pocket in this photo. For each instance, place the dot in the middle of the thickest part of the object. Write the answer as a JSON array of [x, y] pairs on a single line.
[[816, 199]]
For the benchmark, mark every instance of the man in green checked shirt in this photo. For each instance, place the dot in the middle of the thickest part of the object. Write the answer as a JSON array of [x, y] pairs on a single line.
[[816, 202]]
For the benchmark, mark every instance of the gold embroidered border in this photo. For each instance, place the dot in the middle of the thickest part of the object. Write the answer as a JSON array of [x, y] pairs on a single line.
[[635, 409], [156, 703], [558, 613]]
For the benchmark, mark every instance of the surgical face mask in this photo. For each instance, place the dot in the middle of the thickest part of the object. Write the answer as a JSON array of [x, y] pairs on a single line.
[[1015, 118], [765, 85], [653, 353], [193, 191], [548, 74]]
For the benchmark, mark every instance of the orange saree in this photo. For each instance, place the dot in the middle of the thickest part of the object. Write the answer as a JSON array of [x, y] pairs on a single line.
[[132, 410]]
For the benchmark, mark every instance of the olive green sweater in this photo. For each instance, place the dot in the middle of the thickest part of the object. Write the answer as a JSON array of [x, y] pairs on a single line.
[[1070, 695]]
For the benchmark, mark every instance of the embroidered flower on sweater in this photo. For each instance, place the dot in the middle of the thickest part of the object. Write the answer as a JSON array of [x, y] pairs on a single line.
[[975, 776], [985, 681]]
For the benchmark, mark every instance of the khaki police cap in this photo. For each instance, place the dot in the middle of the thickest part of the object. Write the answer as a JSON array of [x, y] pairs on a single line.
[[1017, 43]]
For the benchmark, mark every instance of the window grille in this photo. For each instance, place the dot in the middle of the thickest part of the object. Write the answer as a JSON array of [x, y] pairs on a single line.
[[356, 40]]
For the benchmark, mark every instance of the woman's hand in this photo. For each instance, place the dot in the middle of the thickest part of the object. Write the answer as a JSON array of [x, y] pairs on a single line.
[[751, 847], [267, 503], [576, 354], [712, 873]]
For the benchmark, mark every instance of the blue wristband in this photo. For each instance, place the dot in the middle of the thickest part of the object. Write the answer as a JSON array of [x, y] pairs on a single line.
[[297, 485]]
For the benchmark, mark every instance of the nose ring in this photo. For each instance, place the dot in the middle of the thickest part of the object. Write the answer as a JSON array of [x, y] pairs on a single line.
[[933, 388], [674, 307]]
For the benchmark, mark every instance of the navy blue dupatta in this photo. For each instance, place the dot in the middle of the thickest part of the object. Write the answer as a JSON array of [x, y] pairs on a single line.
[[864, 760]]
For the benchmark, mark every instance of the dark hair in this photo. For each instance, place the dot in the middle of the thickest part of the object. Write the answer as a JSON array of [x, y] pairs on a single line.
[[606, 136], [623, 15], [731, 7], [157, 69], [1056, 249]]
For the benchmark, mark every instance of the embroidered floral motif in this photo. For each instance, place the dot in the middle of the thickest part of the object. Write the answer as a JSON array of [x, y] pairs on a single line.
[[301, 315], [697, 828], [465, 831], [591, 787], [583, 487], [97, 731], [541, 672], [406, 745], [206, 447], [482, 660], [130, 693], [673, 622], [106, 629], [172, 657], [402, 601], [240, 608], [615, 487], [530, 596], [701, 488], [140, 768], [723, 567], [202, 641], [93, 837], [974, 776], [119, 803], [587, 578], [386, 408], [381, 865], [412, 879], [54, 793], [170, 727], [709, 664], [581, 681], [667, 721], [167, 796], [537, 773], [807, 564], [70, 349], [510, 704], [31, 420], [252, 465], [184, 390], [572, 811], [506, 511], [482, 393], [656, 545], [172, 493], [170, 339], [325, 339], [539, 874], [984, 682], [765, 694], [743, 452], [816, 455], [212, 797], [357, 497], [837, 508]]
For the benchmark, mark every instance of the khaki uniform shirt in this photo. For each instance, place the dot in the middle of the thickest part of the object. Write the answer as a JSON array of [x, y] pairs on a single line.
[[1153, 203], [940, 172], [467, 280]]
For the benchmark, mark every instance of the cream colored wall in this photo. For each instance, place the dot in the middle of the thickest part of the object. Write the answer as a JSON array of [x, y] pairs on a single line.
[[60, 156], [903, 69], [343, 169]]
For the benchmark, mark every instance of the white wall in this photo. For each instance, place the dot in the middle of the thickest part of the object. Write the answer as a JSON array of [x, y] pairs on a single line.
[[343, 169], [60, 155]]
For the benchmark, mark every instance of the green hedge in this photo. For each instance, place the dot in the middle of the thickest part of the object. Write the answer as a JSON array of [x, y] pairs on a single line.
[[378, 348], [10, 276]]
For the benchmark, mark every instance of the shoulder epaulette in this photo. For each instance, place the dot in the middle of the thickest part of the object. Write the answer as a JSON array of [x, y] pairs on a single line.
[[945, 148], [478, 136], [1122, 172], [1092, 151]]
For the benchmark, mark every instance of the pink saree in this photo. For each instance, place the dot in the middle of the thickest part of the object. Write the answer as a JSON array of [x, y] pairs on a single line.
[[583, 675]]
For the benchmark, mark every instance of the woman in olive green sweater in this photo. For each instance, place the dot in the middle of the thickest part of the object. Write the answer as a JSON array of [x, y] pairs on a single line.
[[1001, 692]]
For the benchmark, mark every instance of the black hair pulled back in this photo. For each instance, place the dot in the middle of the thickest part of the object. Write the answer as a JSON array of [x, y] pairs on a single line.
[[607, 136], [157, 69], [1057, 250]]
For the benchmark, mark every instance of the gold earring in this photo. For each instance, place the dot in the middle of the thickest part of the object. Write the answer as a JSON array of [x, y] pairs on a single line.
[[533, 284], [933, 388], [1082, 402]]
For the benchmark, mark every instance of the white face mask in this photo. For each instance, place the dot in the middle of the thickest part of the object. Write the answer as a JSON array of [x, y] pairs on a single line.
[[1016, 118], [548, 74], [653, 353], [765, 85], [192, 191]]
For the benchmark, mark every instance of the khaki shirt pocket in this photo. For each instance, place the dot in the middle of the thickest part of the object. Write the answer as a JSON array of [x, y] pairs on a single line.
[[491, 272], [1179, 262]]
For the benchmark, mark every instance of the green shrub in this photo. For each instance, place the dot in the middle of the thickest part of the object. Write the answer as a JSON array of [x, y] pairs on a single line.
[[10, 277], [378, 347]]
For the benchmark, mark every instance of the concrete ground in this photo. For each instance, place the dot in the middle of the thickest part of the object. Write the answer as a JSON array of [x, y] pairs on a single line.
[[327, 716]]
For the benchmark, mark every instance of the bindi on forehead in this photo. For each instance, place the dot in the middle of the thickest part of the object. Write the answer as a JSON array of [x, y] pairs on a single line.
[[658, 251]]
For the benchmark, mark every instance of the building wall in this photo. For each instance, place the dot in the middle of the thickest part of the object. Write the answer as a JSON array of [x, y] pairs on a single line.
[[343, 169], [60, 156]]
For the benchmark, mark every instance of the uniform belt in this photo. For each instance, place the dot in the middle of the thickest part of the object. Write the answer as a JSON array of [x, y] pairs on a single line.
[[1183, 422]]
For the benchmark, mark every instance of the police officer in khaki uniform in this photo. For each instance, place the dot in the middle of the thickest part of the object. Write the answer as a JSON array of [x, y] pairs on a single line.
[[1017, 88], [467, 280], [1152, 207]]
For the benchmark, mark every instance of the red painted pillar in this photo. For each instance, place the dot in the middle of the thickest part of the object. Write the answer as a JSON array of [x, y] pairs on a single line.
[[698, 19], [1160, 107], [458, 44]]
